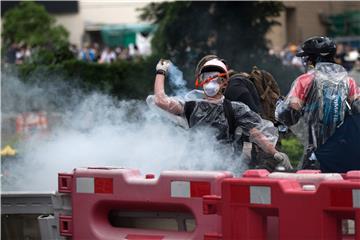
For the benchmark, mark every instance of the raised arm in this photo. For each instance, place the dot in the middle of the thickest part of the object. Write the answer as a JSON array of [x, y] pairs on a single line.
[[169, 104]]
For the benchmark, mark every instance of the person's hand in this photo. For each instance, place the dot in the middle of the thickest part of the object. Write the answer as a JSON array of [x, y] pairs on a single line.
[[283, 160], [163, 66]]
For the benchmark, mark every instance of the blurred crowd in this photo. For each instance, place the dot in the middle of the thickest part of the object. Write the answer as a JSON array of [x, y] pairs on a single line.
[[346, 56], [20, 53], [93, 53]]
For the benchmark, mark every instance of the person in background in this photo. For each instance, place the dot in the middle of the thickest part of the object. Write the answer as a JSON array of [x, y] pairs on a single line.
[[339, 54], [87, 54], [124, 54], [355, 72], [11, 53], [349, 58], [107, 56], [324, 104], [20, 54], [96, 49], [74, 50]]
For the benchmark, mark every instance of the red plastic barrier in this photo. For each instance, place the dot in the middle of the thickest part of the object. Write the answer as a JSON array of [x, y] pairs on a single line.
[[260, 206], [101, 194]]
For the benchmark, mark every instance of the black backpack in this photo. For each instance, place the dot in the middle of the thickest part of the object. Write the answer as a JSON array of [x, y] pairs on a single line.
[[258, 90], [241, 89]]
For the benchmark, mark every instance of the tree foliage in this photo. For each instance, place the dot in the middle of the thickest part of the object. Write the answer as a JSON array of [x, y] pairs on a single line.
[[30, 24], [234, 31], [189, 30], [121, 79]]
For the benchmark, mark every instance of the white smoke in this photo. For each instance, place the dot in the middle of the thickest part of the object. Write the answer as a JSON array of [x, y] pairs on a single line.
[[177, 81], [96, 130]]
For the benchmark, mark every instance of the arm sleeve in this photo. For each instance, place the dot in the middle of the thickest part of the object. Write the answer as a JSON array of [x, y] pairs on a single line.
[[260, 131], [169, 104], [288, 111], [354, 90], [175, 118]]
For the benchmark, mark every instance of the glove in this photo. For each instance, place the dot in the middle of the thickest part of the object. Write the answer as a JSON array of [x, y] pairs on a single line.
[[163, 66], [283, 160]]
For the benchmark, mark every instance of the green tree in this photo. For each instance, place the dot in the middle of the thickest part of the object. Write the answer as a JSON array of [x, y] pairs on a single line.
[[192, 29], [233, 30], [30, 24]]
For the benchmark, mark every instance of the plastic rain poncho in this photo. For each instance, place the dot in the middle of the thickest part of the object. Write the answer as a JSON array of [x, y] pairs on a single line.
[[316, 115], [177, 119], [210, 113]]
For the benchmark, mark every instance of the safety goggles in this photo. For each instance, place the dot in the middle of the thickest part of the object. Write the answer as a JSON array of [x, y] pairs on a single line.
[[207, 77]]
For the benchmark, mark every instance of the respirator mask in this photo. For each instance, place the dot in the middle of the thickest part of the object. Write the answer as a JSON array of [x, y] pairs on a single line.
[[210, 81], [211, 88]]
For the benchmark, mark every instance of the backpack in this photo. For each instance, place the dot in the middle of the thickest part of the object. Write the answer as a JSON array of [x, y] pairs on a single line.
[[241, 89], [326, 104], [263, 89], [230, 117], [268, 90]]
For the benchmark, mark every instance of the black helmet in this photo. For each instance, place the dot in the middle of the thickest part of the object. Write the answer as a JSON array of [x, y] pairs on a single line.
[[317, 46]]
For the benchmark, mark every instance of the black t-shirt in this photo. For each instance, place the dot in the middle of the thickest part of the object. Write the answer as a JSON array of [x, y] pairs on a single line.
[[241, 89]]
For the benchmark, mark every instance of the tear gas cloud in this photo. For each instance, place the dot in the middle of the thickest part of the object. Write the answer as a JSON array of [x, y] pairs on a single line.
[[97, 130], [176, 81]]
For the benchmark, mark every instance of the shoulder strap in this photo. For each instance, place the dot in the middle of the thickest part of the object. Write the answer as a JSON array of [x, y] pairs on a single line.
[[188, 109], [229, 115]]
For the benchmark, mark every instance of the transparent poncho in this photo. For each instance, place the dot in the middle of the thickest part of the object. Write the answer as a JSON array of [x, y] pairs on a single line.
[[316, 115], [248, 123]]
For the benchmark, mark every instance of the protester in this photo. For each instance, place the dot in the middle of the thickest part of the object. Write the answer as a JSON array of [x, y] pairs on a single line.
[[324, 103], [73, 49], [11, 53], [260, 91], [209, 108], [241, 89], [124, 54], [289, 54], [87, 54], [20, 54], [355, 72], [96, 49], [107, 56]]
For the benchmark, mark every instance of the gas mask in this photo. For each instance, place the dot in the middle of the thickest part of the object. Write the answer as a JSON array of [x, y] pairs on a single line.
[[211, 88]]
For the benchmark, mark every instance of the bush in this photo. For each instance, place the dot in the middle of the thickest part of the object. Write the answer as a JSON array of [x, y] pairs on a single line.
[[121, 79], [293, 148]]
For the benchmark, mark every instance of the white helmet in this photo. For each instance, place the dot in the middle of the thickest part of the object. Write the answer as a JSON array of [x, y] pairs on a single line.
[[212, 65]]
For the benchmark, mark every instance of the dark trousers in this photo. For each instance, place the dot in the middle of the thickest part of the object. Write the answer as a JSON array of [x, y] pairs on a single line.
[[341, 152]]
